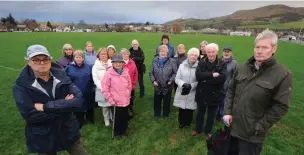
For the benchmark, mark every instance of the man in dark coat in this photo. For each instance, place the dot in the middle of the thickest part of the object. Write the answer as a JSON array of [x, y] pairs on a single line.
[[138, 56], [211, 76], [258, 96], [46, 98]]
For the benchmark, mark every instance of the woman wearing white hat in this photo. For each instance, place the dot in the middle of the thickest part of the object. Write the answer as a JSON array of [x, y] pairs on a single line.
[[111, 50]]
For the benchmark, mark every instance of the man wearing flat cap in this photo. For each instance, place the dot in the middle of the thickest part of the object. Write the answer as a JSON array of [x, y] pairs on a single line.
[[46, 98], [231, 67]]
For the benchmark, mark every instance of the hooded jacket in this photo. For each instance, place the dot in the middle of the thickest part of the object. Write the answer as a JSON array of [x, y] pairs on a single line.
[[56, 128]]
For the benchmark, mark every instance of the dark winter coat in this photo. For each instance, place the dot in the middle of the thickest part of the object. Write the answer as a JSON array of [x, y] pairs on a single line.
[[163, 75], [257, 99], [209, 88], [54, 129], [179, 59], [138, 57], [81, 76], [231, 68], [65, 61]]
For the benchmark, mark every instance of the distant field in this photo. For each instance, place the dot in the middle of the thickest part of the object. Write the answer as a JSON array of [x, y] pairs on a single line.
[[146, 136], [290, 25]]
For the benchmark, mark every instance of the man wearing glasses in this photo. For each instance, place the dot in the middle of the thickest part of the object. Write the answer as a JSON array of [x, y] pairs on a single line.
[[46, 98]]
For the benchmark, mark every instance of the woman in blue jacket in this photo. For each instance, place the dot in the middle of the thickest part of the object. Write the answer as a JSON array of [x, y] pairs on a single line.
[[81, 75]]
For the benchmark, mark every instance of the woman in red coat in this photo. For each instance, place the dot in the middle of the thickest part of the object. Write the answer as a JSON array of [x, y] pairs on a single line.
[[130, 64]]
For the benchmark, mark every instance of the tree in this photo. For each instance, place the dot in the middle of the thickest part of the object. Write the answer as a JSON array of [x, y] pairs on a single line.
[[119, 27], [176, 27], [82, 22], [106, 25], [3, 20], [11, 19], [196, 27], [31, 24], [48, 24], [147, 23]]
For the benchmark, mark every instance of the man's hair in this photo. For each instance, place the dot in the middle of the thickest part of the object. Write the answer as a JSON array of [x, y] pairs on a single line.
[[212, 45], [267, 34], [134, 41]]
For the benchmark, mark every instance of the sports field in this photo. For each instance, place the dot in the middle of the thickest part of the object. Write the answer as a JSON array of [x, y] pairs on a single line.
[[146, 136]]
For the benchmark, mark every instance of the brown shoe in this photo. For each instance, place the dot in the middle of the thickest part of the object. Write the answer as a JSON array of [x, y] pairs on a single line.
[[194, 133]]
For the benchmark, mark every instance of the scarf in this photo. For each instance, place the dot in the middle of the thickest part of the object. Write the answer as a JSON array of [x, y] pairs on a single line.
[[162, 61], [119, 71]]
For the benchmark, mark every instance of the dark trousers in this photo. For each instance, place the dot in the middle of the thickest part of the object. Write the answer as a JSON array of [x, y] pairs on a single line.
[[185, 117], [130, 106], [220, 112], [211, 114], [80, 118], [90, 115], [76, 149], [141, 83], [241, 147], [121, 121], [166, 104]]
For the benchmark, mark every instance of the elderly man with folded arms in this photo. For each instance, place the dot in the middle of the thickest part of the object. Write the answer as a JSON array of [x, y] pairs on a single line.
[[46, 98]]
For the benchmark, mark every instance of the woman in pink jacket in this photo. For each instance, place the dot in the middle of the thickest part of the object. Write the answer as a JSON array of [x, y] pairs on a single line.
[[130, 64], [116, 88]]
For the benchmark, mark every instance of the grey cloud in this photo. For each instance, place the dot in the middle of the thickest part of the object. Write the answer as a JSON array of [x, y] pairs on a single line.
[[140, 11]]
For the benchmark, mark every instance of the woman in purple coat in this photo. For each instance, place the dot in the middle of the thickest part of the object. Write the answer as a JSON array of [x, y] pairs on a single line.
[[67, 52]]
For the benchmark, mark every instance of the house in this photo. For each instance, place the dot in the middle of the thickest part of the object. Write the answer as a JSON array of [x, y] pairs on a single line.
[[58, 29], [66, 29], [21, 28], [43, 27], [3, 28], [210, 31], [240, 33], [81, 28]]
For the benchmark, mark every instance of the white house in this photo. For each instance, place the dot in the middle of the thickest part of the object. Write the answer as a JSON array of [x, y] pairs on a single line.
[[240, 33], [66, 29]]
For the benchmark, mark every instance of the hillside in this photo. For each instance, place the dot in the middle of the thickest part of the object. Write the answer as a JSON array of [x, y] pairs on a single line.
[[263, 16]]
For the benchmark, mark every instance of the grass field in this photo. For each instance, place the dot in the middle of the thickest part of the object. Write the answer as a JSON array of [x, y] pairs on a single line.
[[289, 25], [146, 136]]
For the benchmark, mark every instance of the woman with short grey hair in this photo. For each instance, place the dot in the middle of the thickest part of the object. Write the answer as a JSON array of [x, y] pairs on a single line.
[[162, 75], [185, 94]]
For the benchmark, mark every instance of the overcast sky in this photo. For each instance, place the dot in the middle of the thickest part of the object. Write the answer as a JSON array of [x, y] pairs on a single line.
[[112, 12]]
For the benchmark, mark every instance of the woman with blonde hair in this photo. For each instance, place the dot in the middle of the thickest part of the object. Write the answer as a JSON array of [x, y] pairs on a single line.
[[202, 51], [89, 53], [102, 64], [67, 56], [80, 74], [162, 75], [179, 58]]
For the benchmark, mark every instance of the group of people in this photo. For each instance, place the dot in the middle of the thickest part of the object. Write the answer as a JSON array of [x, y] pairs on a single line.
[[54, 98]]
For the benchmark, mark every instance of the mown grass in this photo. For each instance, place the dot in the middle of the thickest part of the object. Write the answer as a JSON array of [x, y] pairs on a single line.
[[146, 136]]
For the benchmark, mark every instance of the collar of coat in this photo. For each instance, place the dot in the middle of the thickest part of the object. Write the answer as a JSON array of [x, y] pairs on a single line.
[[186, 62], [138, 50], [272, 61]]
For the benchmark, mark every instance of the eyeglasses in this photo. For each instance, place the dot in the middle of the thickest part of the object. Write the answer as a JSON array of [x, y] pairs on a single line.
[[38, 61]]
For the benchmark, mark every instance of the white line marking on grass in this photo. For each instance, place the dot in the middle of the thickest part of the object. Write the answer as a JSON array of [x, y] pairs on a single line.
[[9, 68]]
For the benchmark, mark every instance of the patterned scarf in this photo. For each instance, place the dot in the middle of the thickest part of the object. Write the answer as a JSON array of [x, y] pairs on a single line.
[[162, 61]]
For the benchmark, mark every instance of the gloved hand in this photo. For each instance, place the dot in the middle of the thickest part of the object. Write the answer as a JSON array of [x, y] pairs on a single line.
[[186, 89]]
